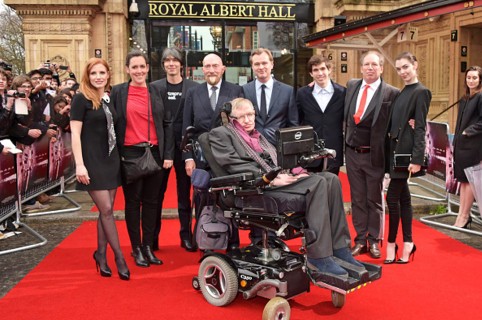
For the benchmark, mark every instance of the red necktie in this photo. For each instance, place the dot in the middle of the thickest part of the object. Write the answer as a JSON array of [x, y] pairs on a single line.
[[361, 108]]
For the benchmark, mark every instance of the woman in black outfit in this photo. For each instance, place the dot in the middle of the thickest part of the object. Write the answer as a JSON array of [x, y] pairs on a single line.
[[97, 162], [468, 141], [411, 104], [135, 103]]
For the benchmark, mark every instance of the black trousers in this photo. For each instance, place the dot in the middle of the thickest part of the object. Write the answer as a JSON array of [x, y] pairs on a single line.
[[183, 184], [399, 203], [142, 201]]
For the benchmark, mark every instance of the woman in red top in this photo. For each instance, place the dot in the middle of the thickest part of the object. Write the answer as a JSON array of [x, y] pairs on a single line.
[[142, 121]]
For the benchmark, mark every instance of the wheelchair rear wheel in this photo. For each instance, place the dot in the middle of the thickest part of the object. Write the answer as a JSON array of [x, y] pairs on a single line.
[[338, 299], [277, 309], [218, 281]]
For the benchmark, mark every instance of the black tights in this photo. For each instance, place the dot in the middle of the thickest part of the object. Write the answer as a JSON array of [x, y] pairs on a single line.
[[399, 204], [106, 228]]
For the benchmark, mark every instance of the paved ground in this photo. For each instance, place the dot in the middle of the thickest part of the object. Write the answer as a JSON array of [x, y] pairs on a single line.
[[55, 227]]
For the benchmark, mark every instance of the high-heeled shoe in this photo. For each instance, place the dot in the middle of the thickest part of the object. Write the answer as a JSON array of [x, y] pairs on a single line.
[[123, 275], [390, 261], [469, 222], [411, 254], [105, 271]]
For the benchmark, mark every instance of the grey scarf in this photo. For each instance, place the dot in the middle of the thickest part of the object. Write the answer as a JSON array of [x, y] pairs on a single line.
[[253, 154], [110, 124]]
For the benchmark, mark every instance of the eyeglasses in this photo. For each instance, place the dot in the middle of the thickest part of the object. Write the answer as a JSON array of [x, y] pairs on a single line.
[[26, 87], [247, 116], [35, 78]]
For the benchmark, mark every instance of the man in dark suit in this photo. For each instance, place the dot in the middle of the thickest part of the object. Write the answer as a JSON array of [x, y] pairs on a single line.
[[276, 106], [322, 106], [204, 102], [173, 90], [367, 109], [202, 108]]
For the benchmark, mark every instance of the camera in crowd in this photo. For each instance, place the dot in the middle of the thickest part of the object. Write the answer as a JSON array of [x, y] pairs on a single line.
[[5, 66], [47, 64], [17, 94]]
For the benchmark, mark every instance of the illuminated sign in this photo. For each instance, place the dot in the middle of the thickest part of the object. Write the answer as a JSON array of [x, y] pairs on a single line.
[[222, 10]]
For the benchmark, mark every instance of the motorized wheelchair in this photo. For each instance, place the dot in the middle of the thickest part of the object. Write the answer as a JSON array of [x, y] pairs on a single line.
[[269, 268]]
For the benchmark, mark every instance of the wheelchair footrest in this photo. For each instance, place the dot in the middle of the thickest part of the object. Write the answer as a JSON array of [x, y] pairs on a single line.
[[374, 271], [357, 278]]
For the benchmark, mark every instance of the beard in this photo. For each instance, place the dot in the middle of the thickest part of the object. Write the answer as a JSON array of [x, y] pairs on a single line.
[[212, 80]]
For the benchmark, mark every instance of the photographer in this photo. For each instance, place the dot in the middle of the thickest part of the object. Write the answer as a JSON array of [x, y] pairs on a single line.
[[61, 114], [6, 108], [23, 129], [40, 102]]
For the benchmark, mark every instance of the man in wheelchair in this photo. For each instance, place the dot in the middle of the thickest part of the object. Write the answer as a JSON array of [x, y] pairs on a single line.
[[239, 148]]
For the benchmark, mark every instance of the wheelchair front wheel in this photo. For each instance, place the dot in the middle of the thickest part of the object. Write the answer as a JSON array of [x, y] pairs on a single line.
[[338, 299], [277, 309], [218, 281]]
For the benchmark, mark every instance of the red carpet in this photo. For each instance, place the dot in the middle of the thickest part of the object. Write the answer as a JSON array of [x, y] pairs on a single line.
[[170, 198], [442, 283]]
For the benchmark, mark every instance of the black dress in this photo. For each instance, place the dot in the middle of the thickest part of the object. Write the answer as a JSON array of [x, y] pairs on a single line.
[[468, 147], [104, 170]]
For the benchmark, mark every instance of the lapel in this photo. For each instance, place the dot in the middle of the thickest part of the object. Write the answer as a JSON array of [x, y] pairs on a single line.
[[350, 106], [250, 93], [377, 101], [124, 93], [311, 103], [274, 96], [334, 98]]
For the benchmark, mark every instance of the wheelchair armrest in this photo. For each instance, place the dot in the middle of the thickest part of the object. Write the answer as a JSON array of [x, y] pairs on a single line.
[[233, 179]]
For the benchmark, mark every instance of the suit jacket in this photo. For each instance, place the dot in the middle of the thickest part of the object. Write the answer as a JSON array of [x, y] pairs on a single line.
[[162, 119], [198, 111], [282, 111], [381, 105], [177, 114], [328, 124]]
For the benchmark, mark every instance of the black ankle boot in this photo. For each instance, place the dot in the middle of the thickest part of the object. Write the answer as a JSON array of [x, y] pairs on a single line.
[[139, 258], [150, 256]]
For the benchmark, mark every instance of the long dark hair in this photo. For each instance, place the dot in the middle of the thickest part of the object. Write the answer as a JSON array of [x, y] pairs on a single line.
[[479, 87]]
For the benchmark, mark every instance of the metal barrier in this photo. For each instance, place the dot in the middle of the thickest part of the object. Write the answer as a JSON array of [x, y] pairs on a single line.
[[453, 200], [442, 144], [41, 167], [51, 185], [11, 209]]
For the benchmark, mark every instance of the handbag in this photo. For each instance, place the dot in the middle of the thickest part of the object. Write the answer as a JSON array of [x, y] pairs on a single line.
[[137, 168], [401, 161], [213, 229]]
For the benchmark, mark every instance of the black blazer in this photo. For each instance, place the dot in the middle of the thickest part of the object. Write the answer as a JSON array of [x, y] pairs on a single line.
[[198, 111], [282, 111], [177, 114], [162, 119], [381, 103], [468, 147], [410, 141], [329, 124]]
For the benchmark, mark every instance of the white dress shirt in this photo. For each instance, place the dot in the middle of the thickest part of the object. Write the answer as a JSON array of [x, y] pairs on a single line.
[[371, 91], [323, 95], [268, 91]]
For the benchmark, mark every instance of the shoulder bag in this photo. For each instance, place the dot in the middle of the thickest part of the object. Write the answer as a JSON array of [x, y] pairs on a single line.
[[137, 168]]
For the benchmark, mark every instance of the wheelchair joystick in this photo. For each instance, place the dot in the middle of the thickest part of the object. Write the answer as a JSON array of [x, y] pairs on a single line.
[[267, 177]]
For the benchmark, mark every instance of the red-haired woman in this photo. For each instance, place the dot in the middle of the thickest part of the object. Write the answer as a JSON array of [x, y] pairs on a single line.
[[97, 159]]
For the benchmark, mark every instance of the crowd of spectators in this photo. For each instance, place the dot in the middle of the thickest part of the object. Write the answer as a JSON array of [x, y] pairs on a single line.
[[34, 105]]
